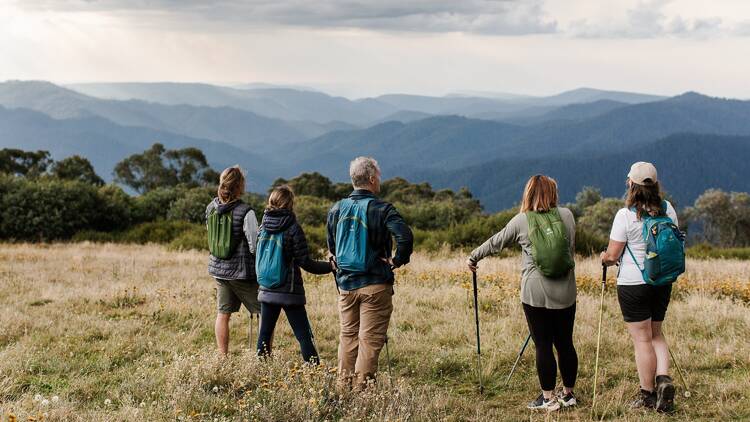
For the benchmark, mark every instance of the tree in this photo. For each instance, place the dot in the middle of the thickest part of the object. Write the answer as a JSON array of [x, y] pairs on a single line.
[[76, 168], [597, 219], [311, 184], [587, 197], [158, 167], [723, 217], [24, 163]]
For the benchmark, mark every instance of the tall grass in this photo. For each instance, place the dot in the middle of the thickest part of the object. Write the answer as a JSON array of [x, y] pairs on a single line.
[[125, 332]]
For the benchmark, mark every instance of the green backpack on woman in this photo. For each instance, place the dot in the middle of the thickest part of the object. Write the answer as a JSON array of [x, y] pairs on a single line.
[[550, 246]]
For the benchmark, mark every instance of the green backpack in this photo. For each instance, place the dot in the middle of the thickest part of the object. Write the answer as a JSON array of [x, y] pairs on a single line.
[[220, 242], [550, 246]]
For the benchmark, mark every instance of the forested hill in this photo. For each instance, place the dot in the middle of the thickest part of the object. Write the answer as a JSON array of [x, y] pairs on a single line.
[[688, 165], [439, 140]]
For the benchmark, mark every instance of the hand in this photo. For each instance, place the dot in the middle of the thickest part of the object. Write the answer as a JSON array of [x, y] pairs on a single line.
[[389, 261], [332, 261], [604, 259], [472, 265]]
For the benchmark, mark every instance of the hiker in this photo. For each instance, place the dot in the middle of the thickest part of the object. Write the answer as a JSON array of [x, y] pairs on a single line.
[[231, 260], [282, 250], [643, 305], [359, 242], [546, 234]]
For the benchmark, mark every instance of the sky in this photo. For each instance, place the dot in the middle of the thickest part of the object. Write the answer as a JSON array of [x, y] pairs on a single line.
[[358, 48]]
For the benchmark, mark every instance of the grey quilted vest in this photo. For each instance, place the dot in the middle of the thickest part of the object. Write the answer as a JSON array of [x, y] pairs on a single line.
[[241, 265]]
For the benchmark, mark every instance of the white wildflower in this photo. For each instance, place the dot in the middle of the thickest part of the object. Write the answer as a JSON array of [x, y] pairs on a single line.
[[38, 397], [216, 389], [55, 399], [45, 402], [107, 402]]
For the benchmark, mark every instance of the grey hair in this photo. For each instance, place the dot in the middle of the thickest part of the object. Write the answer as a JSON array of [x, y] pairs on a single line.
[[361, 169]]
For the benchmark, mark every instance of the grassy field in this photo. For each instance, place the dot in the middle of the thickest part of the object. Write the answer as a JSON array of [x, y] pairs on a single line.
[[116, 332]]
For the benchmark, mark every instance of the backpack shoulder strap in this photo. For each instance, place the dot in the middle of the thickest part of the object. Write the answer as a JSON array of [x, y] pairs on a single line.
[[633, 258]]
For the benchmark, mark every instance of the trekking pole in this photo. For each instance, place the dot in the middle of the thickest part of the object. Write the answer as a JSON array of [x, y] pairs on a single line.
[[388, 359], [599, 333], [513, 369], [476, 318], [251, 329], [679, 372]]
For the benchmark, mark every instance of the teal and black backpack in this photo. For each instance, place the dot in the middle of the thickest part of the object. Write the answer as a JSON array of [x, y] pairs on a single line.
[[665, 250], [353, 251], [550, 246], [269, 259]]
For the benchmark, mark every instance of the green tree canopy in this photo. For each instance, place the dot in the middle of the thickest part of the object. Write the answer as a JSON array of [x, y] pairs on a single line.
[[159, 167], [723, 218], [76, 168], [24, 163]]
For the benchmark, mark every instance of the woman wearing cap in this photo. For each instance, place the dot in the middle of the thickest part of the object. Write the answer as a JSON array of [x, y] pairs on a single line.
[[643, 305], [548, 297]]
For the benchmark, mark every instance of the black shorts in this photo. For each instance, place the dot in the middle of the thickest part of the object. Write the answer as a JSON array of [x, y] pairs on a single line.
[[643, 301]]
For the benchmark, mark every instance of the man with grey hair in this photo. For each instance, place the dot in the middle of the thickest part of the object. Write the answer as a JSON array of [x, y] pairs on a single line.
[[360, 231]]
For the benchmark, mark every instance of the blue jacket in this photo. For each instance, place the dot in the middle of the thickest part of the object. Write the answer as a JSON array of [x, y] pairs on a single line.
[[387, 222]]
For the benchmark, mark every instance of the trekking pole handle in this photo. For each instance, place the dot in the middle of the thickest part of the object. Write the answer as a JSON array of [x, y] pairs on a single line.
[[604, 273]]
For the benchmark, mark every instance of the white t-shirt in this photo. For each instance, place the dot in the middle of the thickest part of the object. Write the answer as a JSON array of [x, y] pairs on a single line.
[[627, 228]]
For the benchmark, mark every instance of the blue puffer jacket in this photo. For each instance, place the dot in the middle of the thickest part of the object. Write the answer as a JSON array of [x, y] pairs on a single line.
[[296, 254]]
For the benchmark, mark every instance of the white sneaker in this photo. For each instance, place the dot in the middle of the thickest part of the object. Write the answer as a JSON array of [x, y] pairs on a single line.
[[567, 400], [541, 403]]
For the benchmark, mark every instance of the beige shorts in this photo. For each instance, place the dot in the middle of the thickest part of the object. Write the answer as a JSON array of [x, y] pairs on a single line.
[[230, 294]]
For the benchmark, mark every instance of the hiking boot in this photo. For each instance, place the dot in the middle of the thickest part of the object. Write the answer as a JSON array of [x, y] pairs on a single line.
[[664, 393], [645, 400], [567, 400], [541, 403]]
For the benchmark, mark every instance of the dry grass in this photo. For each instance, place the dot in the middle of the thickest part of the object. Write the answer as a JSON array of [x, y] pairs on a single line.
[[126, 333]]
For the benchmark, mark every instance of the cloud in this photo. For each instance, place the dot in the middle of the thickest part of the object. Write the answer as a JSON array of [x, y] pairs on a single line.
[[648, 19], [493, 17]]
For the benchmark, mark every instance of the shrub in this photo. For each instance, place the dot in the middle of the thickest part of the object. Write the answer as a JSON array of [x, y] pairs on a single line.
[[191, 206], [706, 251], [154, 205], [158, 232], [311, 211], [115, 209], [196, 238], [316, 240], [47, 209]]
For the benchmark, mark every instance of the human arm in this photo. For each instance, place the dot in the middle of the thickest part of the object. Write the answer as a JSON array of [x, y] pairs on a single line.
[[401, 232], [618, 238], [496, 243], [250, 227], [301, 254]]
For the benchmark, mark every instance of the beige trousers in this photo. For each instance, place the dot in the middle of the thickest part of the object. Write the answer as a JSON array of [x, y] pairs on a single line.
[[364, 314]]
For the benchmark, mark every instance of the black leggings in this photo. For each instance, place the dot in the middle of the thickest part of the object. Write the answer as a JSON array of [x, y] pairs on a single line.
[[550, 327], [297, 317]]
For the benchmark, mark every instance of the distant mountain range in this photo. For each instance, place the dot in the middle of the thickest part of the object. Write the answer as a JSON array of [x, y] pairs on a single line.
[[488, 142]]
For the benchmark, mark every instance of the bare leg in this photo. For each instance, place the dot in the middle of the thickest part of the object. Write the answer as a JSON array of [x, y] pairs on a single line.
[[221, 329], [645, 358], [660, 348]]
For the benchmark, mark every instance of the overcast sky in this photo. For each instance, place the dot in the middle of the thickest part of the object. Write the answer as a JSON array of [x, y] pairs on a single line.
[[368, 47]]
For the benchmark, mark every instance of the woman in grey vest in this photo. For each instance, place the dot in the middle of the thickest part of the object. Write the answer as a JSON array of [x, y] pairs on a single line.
[[549, 303], [235, 275]]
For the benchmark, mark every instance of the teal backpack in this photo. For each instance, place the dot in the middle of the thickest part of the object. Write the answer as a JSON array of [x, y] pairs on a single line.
[[665, 250], [353, 251], [269, 259]]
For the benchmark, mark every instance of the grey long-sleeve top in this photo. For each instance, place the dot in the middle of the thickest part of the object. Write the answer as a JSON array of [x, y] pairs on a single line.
[[536, 289]]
